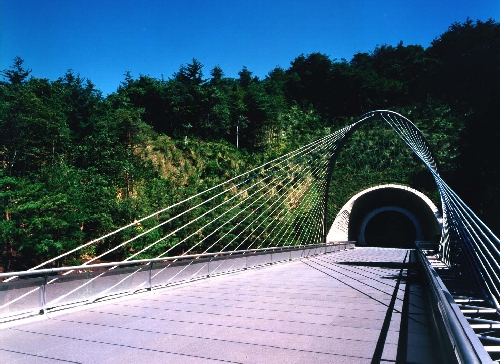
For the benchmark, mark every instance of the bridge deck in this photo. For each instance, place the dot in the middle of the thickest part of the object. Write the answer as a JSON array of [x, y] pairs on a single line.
[[344, 307]]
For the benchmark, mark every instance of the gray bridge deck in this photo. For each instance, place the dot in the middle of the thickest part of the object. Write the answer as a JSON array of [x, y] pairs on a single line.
[[348, 307]]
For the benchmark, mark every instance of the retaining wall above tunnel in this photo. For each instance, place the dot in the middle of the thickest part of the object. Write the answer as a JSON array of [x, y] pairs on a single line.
[[365, 214]]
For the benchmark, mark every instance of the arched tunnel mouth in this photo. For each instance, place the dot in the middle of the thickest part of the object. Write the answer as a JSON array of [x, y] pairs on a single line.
[[390, 229], [387, 216]]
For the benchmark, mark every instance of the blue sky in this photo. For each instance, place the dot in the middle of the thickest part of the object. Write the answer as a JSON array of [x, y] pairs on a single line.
[[101, 40]]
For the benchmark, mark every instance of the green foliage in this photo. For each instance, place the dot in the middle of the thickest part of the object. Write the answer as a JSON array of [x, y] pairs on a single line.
[[17, 74], [75, 165]]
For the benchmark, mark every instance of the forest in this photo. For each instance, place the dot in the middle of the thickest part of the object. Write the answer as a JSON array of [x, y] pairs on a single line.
[[75, 165]]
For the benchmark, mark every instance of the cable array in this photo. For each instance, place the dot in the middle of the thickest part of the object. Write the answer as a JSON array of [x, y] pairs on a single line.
[[279, 203], [284, 202], [467, 244]]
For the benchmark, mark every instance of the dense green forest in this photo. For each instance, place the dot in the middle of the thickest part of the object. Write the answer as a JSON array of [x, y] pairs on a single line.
[[75, 165]]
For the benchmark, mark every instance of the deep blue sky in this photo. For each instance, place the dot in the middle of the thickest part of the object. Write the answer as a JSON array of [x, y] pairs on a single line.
[[100, 40]]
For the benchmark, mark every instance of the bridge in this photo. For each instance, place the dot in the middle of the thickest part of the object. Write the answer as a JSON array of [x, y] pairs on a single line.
[[260, 268]]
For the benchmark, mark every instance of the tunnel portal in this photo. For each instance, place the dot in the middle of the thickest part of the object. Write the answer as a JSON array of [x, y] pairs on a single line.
[[391, 216]]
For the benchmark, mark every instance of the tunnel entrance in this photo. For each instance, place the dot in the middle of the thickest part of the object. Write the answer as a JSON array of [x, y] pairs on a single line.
[[387, 216], [390, 229]]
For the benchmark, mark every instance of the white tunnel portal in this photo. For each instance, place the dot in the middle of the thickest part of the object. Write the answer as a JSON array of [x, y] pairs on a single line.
[[378, 213]]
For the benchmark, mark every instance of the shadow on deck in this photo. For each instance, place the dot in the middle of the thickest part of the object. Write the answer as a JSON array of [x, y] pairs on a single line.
[[362, 305]]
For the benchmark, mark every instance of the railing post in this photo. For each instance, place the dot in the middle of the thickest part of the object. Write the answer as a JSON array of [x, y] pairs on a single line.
[[43, 296], [150, 285]]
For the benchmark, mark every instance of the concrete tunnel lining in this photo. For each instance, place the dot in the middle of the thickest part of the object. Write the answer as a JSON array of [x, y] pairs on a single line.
[[351, 221]]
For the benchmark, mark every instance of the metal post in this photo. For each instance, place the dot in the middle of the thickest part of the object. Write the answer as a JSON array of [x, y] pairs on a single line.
[[150, 286], [238, 135], [43, 296]]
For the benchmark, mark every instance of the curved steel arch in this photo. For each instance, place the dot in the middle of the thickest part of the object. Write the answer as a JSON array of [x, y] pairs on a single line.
[[411, 135], [406, 130], [466, 242]]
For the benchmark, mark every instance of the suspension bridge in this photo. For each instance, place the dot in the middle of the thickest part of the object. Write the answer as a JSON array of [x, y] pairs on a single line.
[[260, 268]]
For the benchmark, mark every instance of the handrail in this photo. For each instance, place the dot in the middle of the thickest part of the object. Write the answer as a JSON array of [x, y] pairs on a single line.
[[461, 341], [44, 289], [477, 249], [153, 260]]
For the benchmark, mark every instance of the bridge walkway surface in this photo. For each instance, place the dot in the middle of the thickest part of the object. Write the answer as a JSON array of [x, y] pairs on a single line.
[[355, 306]]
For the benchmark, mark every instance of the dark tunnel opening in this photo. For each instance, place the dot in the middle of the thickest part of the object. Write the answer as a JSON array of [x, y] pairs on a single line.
[[387, 216], [390, 229]]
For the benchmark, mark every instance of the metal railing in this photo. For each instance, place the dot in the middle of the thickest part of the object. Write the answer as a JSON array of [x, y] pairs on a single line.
[[36, 292], [458, 342], [469, 246]]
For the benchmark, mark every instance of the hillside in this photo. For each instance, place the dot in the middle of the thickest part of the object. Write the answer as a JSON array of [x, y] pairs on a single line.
[[75, 165]]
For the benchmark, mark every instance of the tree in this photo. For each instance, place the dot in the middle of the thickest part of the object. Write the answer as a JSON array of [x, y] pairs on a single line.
[[82, 103], [245, 77], [34, 129], [190, 74], [466, 77], [17, 74], [152, 96], [468, 56], [217, 75], [310, 81]]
